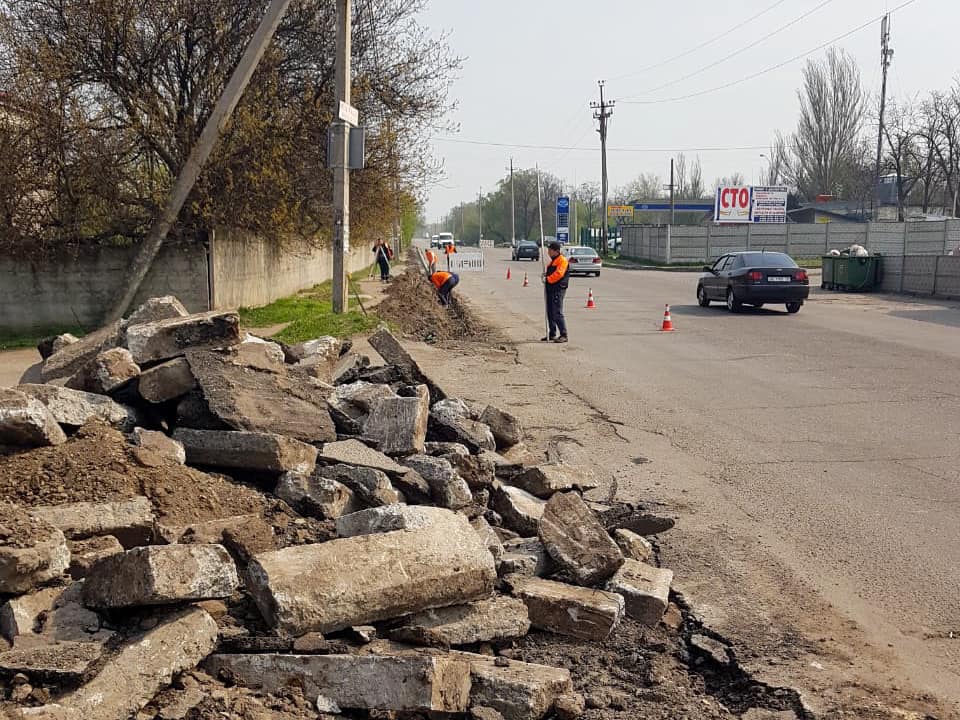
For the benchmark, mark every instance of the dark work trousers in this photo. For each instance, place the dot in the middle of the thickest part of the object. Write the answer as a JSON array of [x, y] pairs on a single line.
[[558, 324], [384, 263], [447, 288]]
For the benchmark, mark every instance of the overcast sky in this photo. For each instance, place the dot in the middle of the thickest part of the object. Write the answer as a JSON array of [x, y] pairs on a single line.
[[531, 70]]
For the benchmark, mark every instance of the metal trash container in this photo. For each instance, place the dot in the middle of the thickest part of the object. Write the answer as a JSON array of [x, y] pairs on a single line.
[[853, 274], [829, 272]]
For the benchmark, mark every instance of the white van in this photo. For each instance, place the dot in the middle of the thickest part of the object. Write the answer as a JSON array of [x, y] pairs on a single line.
[[444, 239]]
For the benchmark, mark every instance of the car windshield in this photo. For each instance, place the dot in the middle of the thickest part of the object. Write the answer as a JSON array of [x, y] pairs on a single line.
[[766, 260], [527, 243]]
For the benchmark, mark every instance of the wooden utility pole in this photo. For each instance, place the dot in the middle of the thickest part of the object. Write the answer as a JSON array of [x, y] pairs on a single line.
[[604, 110], [198, 157], [341, 159], [513, 210]]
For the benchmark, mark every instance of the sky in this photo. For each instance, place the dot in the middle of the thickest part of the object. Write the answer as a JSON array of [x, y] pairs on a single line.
[[531, 68]]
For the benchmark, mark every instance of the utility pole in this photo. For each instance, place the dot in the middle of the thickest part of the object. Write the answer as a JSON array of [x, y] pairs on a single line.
[[603, 111], [198, 157], [886, 55], [341, 152], [513, 210], [463, 224], [480, 211], [673, 204]]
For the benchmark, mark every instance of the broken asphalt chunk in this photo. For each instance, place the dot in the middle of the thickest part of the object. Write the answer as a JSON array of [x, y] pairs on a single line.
[[568, 610], [577, 541], [255, 451]]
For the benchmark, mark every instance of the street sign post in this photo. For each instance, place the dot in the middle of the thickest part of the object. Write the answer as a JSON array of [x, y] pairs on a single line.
[[349, 114], [563, 219]]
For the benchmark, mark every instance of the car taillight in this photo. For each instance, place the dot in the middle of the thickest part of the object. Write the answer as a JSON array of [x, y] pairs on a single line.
[[596, 261], [755, 276], [801, 276]]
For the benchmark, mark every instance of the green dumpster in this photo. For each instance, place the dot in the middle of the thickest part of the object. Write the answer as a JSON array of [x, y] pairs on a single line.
[[829, 272], [853, 274]]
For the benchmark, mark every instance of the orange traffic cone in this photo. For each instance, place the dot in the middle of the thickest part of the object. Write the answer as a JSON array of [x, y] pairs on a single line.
[[526, 283], [667, 321], [591, 305], [508, 273]]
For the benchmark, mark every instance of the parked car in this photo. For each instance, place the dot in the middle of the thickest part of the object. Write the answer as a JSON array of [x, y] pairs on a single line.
[[754, 278], [435, 241], [583, 260], [526, 249]]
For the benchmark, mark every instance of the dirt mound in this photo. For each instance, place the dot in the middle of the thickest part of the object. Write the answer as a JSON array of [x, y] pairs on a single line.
[[98, 465], [18, 529], [410, 304]]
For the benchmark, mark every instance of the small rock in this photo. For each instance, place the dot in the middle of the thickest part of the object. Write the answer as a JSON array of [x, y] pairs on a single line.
[[110, 370], [634, 547], [449, 490], [26, 422], [570, 706], [372, 487]]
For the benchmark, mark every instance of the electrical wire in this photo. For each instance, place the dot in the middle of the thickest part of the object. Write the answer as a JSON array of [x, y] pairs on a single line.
[[702, 45], [736, 53], [571, 148], [766, 70]]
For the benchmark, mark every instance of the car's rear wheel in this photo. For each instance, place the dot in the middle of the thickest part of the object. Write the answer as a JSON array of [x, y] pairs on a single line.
[[794, 307], [733, 305], [702, 299]]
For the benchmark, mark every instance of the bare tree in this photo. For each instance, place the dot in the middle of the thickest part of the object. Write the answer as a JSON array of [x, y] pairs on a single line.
[[900, 159], [680, 176], [941, 134], [733, 180], [832, 112], [695, 189], [646, 186], [588, 204]]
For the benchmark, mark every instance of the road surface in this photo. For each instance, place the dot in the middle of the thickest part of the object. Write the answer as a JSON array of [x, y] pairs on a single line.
[[819, 450]]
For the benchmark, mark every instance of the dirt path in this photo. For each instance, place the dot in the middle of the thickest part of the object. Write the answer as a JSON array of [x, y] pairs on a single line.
[[13, 363], [780, 629]]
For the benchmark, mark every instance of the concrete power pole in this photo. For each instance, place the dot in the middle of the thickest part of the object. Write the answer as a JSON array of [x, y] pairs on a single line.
[[341, 159], [603, 111], [886, 55], [480, 212], [199, 155], [513, 210]]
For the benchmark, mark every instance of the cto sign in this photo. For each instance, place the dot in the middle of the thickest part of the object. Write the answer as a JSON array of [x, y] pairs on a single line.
[[733, 205]]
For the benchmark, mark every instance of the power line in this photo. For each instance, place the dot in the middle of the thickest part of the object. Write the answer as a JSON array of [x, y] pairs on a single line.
[[572, 148], [742, 50], [702, 45], [770, 69]]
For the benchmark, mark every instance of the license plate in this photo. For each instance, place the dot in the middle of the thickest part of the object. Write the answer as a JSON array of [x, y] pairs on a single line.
[[777, 278]]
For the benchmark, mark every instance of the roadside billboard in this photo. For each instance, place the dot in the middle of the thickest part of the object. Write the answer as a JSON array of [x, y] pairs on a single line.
[[769, 204], [733, 205]]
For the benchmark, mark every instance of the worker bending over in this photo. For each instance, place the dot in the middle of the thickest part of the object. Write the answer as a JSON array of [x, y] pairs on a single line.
[[444, 282], [432, 260]]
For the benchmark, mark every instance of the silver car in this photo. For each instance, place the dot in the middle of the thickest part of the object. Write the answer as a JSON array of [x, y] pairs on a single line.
[[583, 260]]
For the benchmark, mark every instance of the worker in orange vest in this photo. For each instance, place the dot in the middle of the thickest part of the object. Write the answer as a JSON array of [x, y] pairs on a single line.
[[450, 250], [557, 279], [444, 282], [432, 260]]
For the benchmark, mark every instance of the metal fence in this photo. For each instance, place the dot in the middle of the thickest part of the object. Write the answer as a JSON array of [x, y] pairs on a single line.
[[909, 250]]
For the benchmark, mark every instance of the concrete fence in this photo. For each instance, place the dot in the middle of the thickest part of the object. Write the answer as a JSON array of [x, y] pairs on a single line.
[[227, 270], [909, 250]]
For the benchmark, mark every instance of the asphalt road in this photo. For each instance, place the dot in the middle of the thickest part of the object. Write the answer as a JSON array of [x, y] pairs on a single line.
[[835, 430]]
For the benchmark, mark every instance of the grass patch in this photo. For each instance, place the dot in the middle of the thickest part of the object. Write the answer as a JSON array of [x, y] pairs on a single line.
[[30, 338], [310, 314]]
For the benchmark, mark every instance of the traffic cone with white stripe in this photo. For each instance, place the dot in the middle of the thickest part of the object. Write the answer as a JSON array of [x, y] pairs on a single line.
[[591, 305], [526, 283], [667, 321], [508, 273]]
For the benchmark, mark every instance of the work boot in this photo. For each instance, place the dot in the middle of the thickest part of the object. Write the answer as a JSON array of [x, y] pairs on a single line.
[[548, 338], [561, 339]]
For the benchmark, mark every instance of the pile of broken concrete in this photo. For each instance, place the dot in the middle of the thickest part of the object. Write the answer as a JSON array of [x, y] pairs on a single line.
[[196, 518]]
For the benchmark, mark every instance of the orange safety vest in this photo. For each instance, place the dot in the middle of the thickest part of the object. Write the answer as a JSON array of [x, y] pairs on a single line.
[[559, 266], [451, 249], [431, 257], [439, 278]]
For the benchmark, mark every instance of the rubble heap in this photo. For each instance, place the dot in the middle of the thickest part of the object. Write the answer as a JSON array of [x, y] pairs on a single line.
[[199, 523]]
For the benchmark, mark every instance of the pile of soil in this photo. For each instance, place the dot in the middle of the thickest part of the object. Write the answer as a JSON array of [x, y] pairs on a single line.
[[410, 304], [18, 529], [97, 465]]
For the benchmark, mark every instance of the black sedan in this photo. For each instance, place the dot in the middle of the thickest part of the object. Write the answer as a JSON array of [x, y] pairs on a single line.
[[526, 249], [754, 278]]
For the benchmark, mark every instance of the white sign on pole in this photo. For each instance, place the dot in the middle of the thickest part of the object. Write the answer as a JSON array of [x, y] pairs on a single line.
[[349, 114], [769, 204], [733, 205], [466, 262]]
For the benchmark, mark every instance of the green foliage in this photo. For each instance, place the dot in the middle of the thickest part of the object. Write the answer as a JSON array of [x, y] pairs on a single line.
[[11, 341], [310, 315]]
